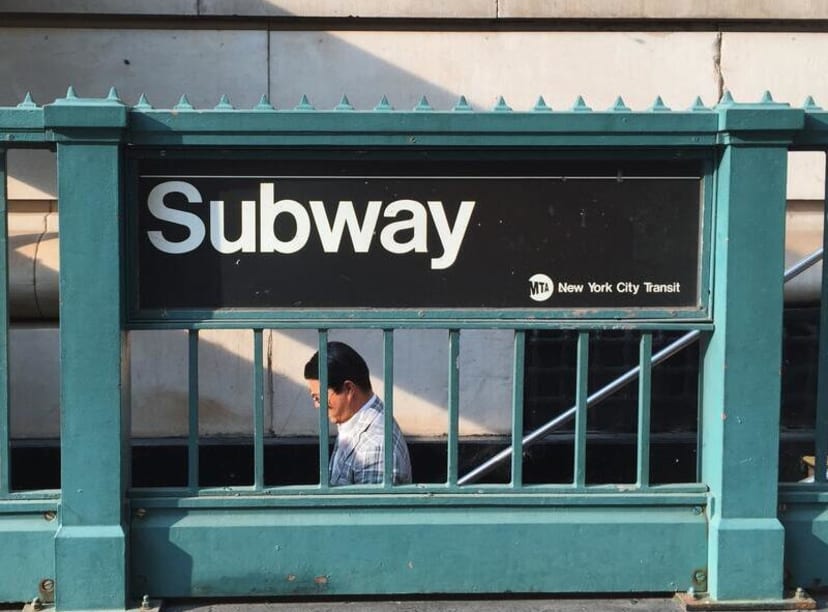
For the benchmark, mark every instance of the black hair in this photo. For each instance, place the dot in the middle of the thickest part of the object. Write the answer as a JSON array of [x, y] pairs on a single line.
[[344, 363]]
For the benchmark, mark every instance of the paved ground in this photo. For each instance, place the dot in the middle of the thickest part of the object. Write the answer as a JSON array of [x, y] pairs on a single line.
[[630, 604], [500, 604], [504, 605]]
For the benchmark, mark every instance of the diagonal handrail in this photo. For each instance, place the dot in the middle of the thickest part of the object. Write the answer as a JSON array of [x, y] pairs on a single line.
[[617, 384]]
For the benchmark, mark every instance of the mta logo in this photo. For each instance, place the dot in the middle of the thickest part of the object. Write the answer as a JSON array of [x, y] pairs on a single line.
[[541, 287]]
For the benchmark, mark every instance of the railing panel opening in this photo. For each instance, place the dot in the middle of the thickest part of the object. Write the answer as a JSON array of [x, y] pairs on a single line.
[[231, 408], [487, 396], [5, 450], [29, 346], [425, 377], [225, 407], [161, 415], [802, 435], [821, 418], [800, 376], [616, 447]]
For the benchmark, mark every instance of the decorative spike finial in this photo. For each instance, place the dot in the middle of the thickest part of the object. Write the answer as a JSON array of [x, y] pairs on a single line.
[[183, 103], [423, 105], [143, 103], [27, 102], [462, 105], [541, 105], [384, 105], [767, 98], [580, 105], [223, 103], [810, 104], [264, 104], [70, 93], [726, 98], [501, 105], [304, 104], [344, 104], [698, 105], [659, 106], [619, 105], [113, 95]]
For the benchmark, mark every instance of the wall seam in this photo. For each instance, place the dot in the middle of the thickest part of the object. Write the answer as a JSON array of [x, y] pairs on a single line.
[[717, 66], [271, 391], [267, 62], [35, 288]]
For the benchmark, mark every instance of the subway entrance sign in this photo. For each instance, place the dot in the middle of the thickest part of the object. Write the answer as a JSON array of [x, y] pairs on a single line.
[[345, 232]]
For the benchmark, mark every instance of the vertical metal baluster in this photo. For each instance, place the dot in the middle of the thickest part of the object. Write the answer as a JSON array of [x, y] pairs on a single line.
[[324, 432], [700, 416], [258, 411], [192, 407], [644, 396], [517, 408], [579, 460], [388, 433], [821, 424], [452, 466], [5, 447]]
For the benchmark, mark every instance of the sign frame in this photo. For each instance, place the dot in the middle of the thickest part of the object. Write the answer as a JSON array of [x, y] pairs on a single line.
[[380, 317]]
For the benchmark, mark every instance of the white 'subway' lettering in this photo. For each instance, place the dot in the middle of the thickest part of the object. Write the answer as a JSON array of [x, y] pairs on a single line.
[[406, 233]]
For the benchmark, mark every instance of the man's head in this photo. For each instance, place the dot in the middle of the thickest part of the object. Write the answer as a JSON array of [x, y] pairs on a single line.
[[349, 382]]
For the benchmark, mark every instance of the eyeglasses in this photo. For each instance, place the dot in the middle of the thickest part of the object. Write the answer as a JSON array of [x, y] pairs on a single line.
[[318, 400], [347, 386]]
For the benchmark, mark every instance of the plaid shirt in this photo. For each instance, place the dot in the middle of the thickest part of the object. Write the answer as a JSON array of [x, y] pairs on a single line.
[[358, 457]]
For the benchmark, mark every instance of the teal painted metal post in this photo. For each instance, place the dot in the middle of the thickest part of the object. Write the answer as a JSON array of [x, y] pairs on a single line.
[[581, 403], [388, 400], [742, 359], [453, 451], [90, 548], [258, 410], [192, 411], [645, 355], [518, 369]]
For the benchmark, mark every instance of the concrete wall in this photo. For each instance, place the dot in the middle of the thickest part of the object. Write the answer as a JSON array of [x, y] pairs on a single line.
[[481, 49], [718, 10]]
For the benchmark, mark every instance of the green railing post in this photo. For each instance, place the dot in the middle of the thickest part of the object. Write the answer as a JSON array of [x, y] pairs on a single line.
[[90, 547], [741, 371]]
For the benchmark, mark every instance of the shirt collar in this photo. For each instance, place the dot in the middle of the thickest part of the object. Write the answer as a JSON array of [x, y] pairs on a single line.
[[361, 418]]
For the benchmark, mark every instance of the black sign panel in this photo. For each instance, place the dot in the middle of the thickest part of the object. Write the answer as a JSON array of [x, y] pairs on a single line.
[[319, 234]]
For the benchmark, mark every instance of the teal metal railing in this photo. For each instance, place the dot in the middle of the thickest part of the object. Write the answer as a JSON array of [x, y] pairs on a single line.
[[281, 540], [456, 481], [192, 410]]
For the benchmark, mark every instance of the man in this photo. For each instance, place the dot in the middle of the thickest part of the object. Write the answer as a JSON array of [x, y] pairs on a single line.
[[358, 456]]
